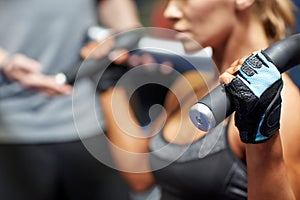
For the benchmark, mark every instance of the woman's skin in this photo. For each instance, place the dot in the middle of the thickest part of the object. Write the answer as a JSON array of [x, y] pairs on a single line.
[[233, 30]]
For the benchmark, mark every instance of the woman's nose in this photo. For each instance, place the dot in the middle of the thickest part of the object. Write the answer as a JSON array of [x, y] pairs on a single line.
[[172, 11]]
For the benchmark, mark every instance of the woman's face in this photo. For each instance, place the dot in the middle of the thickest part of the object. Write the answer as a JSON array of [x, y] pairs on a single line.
[[208, 22]]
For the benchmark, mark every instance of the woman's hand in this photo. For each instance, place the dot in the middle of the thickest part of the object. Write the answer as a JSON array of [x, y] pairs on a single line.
[[255, 85]]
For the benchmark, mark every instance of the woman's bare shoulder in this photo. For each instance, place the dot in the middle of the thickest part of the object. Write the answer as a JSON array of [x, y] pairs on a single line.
[[290, 106], [290, 120]]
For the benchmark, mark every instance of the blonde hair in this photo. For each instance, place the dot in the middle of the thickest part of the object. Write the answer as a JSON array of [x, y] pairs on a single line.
[[278, 17]]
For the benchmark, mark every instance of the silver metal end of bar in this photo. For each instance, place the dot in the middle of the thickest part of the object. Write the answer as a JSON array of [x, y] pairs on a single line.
[[202, 117]]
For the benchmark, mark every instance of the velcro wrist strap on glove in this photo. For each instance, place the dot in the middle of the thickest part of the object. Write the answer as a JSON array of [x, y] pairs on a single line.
[[256, 94]]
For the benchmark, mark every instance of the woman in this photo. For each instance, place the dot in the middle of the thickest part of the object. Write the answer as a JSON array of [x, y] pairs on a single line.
[[228, 168]]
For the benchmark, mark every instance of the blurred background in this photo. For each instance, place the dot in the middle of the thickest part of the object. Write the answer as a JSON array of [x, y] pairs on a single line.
[[151, 12]]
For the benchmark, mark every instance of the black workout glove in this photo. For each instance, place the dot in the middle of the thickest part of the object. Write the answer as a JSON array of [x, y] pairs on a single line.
[[110, 76], [256, 94]]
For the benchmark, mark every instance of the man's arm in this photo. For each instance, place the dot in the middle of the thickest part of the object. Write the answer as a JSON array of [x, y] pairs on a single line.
[[3, 58], [119, 15]]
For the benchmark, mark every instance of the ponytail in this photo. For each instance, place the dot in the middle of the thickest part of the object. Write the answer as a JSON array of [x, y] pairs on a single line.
[[278, 17]]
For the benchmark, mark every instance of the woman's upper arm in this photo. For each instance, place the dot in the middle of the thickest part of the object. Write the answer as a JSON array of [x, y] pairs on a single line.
[[290, 132]]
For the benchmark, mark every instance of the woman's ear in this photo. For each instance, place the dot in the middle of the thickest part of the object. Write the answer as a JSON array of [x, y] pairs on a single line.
[[243, 4]]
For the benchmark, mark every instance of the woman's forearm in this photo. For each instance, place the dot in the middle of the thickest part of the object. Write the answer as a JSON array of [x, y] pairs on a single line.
[[267, 174], [128, 144]]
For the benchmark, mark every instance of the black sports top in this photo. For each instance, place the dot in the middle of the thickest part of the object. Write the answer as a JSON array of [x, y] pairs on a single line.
[[205, 169]]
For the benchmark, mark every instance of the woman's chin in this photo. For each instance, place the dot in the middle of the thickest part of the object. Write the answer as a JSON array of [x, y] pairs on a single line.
[[189, 44]]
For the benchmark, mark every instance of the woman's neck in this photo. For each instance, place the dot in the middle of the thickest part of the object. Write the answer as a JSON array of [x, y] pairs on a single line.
[[244, 39]]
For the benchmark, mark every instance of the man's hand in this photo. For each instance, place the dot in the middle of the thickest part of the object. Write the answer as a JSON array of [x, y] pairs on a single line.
[[27, 72]]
